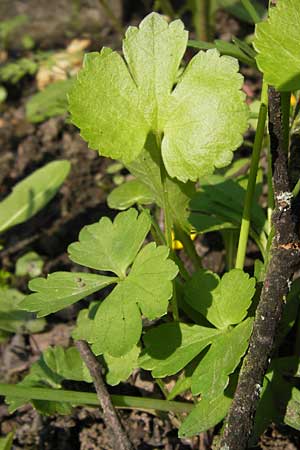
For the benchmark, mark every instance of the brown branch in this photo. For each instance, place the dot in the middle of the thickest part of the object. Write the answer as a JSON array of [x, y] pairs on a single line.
[[111, 419], [284, 260]]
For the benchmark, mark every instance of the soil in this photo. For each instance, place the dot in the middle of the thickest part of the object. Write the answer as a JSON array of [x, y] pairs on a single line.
[[25, 147]]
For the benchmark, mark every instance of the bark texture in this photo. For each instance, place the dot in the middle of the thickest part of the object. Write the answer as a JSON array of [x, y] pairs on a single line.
[[111, 418], [283, 262]]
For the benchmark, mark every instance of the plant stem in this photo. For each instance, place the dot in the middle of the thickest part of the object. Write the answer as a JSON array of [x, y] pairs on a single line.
[[251, 10], [110, 14], [168, 221], [110, 416], [230, 242], [166, 7], [91, 399], [166, 207], [245, 226], [201, 17]]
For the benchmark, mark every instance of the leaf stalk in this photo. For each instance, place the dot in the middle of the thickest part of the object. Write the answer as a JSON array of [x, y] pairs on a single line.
[[245, 226]]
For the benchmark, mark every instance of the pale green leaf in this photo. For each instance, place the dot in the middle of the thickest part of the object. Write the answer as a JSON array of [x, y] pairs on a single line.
[[62, 289], [67, 363], [148, 287], [207, 118], [118, 106], [210, 378], [111, 246], [153, 53], [104, 104], [32, 194], [119, 369], [222, 302], [171, 346], [207, 414], [128, 194], [277, 44]]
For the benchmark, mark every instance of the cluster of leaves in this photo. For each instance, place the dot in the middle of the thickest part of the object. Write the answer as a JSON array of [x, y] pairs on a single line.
[[169, 128]]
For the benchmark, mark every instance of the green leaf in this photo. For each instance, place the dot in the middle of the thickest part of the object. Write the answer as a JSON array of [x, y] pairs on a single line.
[[148, 287], [292, 414], [29, 264], [62, 289], [119, 369], [54, 365], [207, 414], [40, 375], [125, 101], [50, 102], [12, 318], [154, 52], [146, 168], [210, 378], [171, 346], [13, 72], [266, 412], [32, 194], [222, 302], [277, 44], [67, 363], [110, 121], [111, 246], [83, 326], [117, 326], [128, 194], [149, 282], [7, 442], [219, 205], [193, 145]]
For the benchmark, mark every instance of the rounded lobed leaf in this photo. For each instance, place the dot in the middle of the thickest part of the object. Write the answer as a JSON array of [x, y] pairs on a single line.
[[207, 118], [118, 106], [277, 43]]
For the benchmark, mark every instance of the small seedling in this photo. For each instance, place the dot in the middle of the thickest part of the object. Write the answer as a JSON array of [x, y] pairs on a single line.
[[172, 127]]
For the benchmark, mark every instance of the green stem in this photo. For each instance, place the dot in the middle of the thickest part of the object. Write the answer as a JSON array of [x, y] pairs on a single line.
[[251, 11], [168, 221], [230, 242], [89, 398], [244, 232], [189, 247], [201, 15], [166, 207], [166, 7]]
